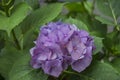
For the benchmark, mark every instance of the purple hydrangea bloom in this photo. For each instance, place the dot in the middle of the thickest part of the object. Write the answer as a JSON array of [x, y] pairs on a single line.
[[60, 45]]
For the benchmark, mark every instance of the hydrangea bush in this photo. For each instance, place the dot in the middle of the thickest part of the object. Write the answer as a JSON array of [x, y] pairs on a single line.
[[59, 40]]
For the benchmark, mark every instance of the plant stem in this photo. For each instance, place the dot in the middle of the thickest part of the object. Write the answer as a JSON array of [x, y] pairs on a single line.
[[15, 40]]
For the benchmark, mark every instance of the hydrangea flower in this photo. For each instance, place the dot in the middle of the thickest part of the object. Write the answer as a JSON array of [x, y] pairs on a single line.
[[60, 45]]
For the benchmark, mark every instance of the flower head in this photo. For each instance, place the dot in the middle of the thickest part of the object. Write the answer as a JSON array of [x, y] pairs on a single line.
[[60, 45]]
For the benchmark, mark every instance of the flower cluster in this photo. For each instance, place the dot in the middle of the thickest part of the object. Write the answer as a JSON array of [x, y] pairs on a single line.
[[60, 45]]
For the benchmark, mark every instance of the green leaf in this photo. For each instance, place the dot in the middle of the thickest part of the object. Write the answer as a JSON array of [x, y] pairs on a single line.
[[19, 36], [104, 20], [98, 44], [22, 70], [41, 16], [33, 3], [96, 71], [19, 13], [27, 44], [112, 42], [89, 6], [97, 29], [116, 63], [109, 10], [102, 71], [78, 23], [8, 56]]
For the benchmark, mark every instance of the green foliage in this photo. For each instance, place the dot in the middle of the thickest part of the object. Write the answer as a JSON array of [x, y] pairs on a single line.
[[112, 42], [8, 56], [116, 63], [19, 13], [81, 12], [42, 16], [109, 11], [22, 70], [97, 71], [104, 20], [89, 7], [15, 65], [33, 3], [102, 71], [21, 19]]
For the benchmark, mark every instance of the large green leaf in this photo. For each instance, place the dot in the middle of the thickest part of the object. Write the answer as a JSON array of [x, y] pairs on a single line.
[[8, 56], [78, 23], [96, 71], [108, 11], [22, 70], [19, 13], [102, 71], [104, 20], [41, 16]]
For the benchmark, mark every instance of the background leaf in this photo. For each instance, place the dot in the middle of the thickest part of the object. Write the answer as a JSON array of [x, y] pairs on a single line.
[[33, 3], [96, 71], [108, 10], [22, 70], [102, 71], [41, 16], [19, 13], [8, 56]]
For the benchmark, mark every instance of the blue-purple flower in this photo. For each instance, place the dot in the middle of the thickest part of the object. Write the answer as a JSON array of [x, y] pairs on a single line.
[[60, 45]]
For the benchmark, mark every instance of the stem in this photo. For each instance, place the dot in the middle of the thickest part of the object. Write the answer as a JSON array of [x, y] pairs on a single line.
[[15, 40]]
